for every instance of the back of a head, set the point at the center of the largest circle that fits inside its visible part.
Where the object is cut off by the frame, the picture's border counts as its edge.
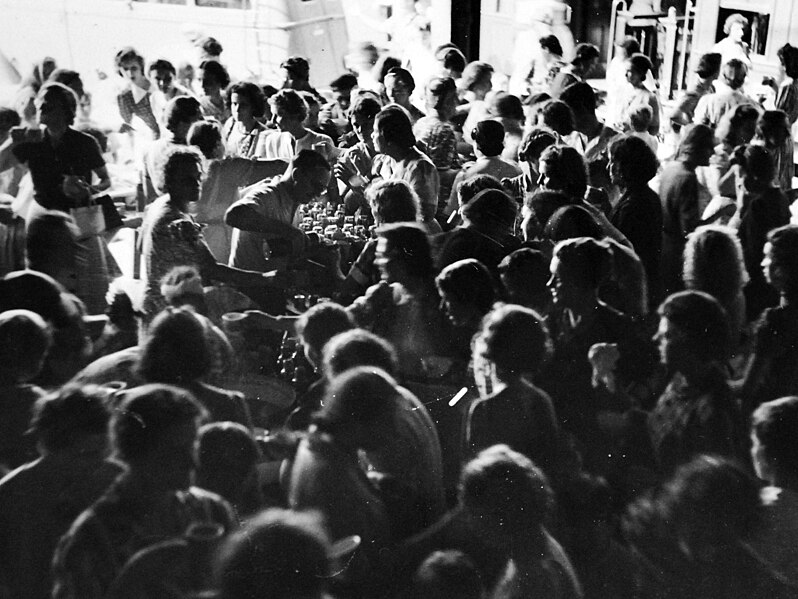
(205, 135)
(34, 291)
(473, 185)
(148, 416)
(788, 55)
(452, 59)
(640, 63)
(773, 425)
(489, 137)
(534, 142)
(322, 322)
(506, 483)
(773, 125)
(475, 73)
(393, 201)
(515, 339)
(363, 395)
(384, 65)
(447, 574)
(630, 45)
(440, 88)
(227, 454)
(280, 554)
(344, 82)
(526, 271)
(640, 118)
(309, 160)
(709, 65)
(297, 66)
(217, 71)
(181, 110)
(365, 106)
(713, 262)
(734, 73)
(552, 44)
(703, 320)
(696, 138)
(411, 244)
(470, 282)
(584, 53)
(580, 97)
(357, 347)
(176, 350)
(182, 285)
(210, 46)
(758, 164)
(587, 260)
(506, 106)
(558, 117)
(73, 413)
(571, 222)
(490, 208)
(25, 339)
(394, 124)
(50, 234)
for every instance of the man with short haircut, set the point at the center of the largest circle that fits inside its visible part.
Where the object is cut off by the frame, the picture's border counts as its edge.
(586, 57)
(154, 433)
(41, 499)
(711, 107)
(265, 215)
(334, 116)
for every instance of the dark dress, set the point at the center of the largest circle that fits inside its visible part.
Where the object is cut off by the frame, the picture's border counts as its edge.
(521, 416)
(76, 154)
(692, 418)
(638, 215)
(762, 211)
(678, 191)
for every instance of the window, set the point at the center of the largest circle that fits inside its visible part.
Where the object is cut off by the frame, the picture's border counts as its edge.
(756, 33)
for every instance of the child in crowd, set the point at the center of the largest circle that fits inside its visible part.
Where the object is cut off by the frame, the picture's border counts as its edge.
(639, 121)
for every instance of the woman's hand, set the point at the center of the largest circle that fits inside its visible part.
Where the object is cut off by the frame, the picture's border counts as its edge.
(75, 188)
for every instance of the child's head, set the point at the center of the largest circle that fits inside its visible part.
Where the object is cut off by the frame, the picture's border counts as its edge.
(448, 574)
(130, 65)
(442, 96)
(25, 339)
(640, 118)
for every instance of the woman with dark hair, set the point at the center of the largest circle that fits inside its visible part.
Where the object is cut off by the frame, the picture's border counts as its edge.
(512, 347)
(771, 371)
(508, 110)
(535, 141)
(562, 168)
(696, 413)
(691, 535)
(403, 306)
(247, 103)
(399, 85)
(683, 200)
(393, 138)
(489, 139)
(773, 132)
(761, 207)
(557, 116)
(787, 92)
(637, 67)
(638, 213)
(214, 79)
(486, 234)
(177, 352)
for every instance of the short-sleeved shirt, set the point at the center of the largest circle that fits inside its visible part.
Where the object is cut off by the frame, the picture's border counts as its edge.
(711, 108)
(76, 154)
(167, 242)
(272, 200)
(420, 172)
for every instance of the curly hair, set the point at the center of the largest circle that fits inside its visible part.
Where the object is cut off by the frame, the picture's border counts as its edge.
(252, 92)
(393, 201)
(566, 170)
(470, 282)
(515, 339)
(636, 161)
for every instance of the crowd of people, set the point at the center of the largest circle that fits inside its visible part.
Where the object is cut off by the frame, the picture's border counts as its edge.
(556, 366)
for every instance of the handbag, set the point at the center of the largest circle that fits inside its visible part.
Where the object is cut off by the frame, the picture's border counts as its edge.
(89, 219)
